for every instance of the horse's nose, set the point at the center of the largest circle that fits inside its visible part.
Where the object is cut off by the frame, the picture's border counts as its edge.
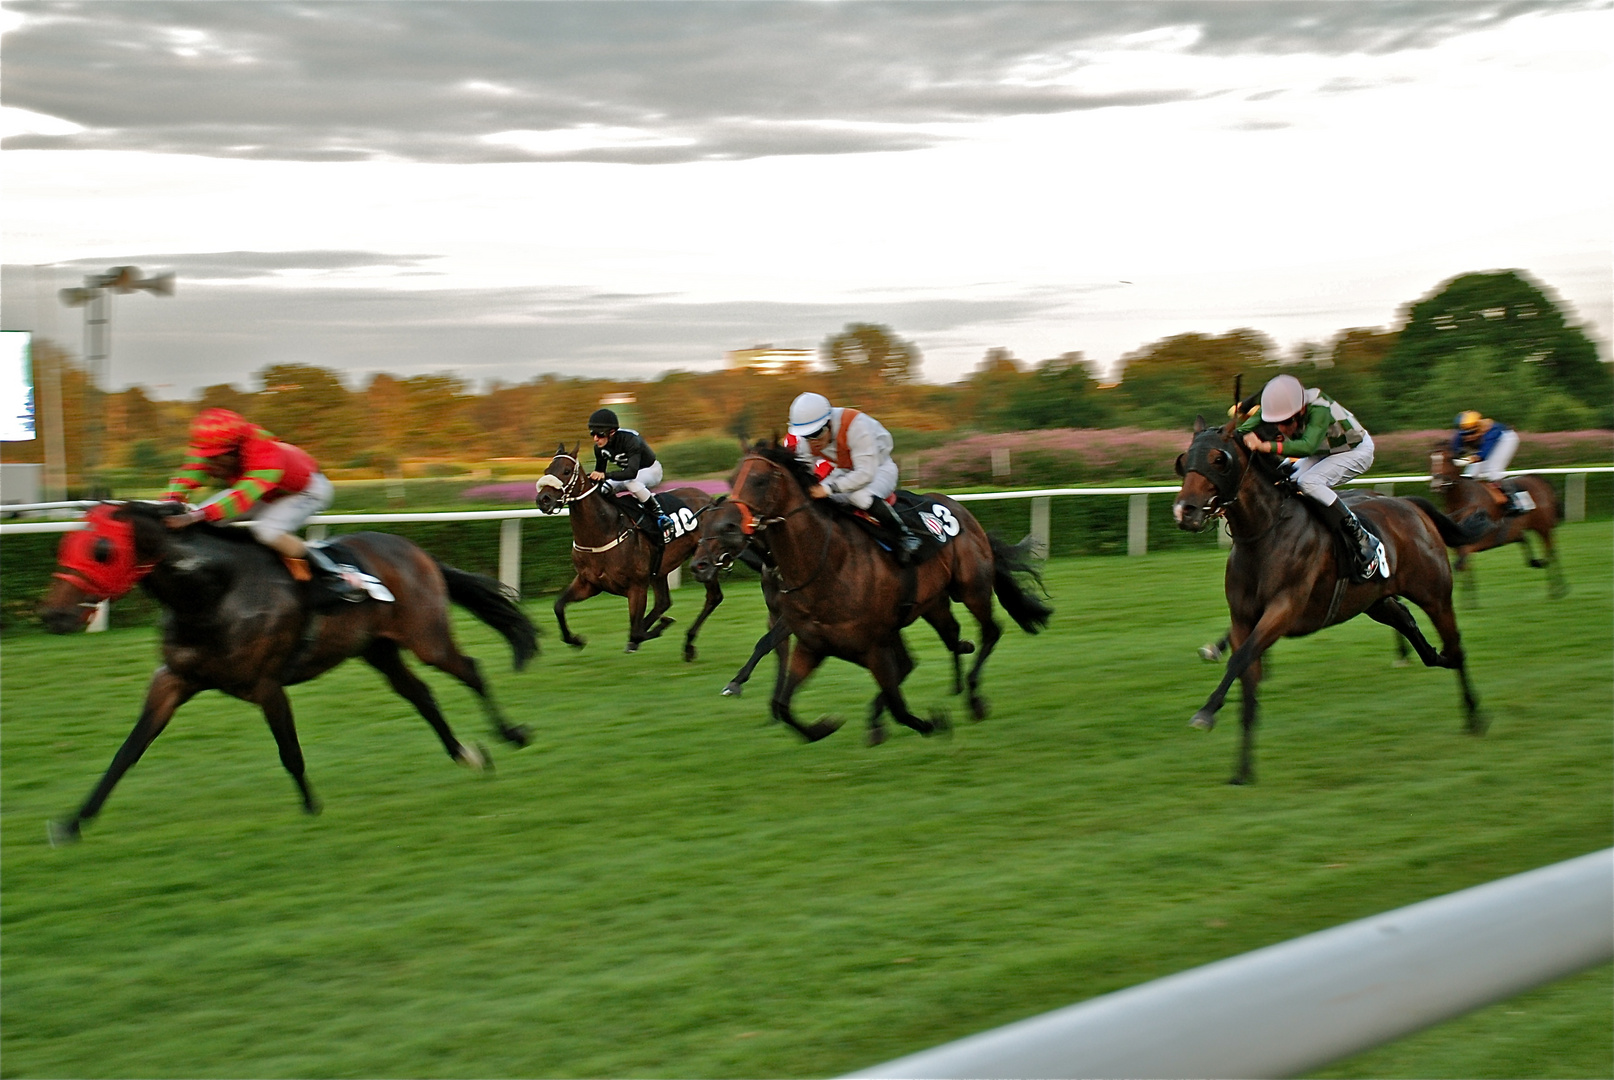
(60, 620)
(1190, 518)
(701, 568)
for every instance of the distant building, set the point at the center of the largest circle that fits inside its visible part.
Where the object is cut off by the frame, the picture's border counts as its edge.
(767, 360)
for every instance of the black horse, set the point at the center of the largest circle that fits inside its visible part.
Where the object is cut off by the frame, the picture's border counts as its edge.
(1285, 578)
(237, 622)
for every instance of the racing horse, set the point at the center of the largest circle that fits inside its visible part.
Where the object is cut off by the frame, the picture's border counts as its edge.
(722, 542)
(613, 553)
(1285, 579)
(1466, 497)
(842, 595)
(238, 622)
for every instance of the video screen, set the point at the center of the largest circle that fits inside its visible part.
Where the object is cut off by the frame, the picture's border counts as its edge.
(16, 386)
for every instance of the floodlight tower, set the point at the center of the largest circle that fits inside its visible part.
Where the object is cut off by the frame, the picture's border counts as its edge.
(95, 297)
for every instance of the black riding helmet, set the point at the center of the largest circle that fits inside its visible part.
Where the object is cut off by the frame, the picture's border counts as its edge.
(602, 422)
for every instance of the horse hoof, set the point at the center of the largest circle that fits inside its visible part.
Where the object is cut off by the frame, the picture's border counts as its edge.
(61, 833)
(474, 758)
(1210, 653)
(1401, 661)
(1239, 781)
(877, 735)
(1204, 720)
(1479, 724)
(689, 654)
(733, 689)
(824, 728)
(940, 724)
(980, 708)
(517, 736)
(964, 648)
(633, 647)
(576, 642)
(312, 807)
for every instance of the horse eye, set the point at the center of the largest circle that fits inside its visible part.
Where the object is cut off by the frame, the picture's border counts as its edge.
(1218, 458)
(102, 552)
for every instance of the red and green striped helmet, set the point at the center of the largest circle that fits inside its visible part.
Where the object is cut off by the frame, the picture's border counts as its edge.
(218, 431)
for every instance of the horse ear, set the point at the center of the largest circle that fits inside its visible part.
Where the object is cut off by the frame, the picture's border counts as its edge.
(1180, 470)
(575, 448)
(1199, 423)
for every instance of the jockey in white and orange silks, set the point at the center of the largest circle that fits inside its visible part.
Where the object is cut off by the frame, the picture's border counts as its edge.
(851, 454)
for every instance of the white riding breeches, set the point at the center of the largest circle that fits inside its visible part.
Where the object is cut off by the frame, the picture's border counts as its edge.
(270, 520)
(883, 484)
(1320, 474)
(1495, 464)
(645, 479)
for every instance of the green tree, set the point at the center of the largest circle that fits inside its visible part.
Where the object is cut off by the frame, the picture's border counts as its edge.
(866, 355)
(1525, 338)
(1166, 384)
(1060, 393)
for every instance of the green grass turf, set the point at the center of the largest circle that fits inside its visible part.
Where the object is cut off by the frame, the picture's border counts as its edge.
(664, 885)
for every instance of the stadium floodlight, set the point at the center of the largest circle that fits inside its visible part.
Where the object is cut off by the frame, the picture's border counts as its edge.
(95, 298)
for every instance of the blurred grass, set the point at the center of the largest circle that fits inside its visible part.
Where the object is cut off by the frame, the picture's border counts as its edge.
(664, 885)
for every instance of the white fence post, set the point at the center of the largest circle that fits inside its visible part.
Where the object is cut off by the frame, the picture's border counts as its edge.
(1384, 489)
(317, 532)
(1137, 525)
(102, 619)
(510, 553)
(1224, 534)
(1575, 497)
(1040, 534)
(1000, 462)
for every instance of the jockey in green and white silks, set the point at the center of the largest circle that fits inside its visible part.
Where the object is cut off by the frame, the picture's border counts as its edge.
(1331, 446)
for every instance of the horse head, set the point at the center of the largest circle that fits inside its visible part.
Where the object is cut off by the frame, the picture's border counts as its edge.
(1443, 472)
(721, 538)
(563, 481)
(120, 544)
(770, 483)
(1212, 469)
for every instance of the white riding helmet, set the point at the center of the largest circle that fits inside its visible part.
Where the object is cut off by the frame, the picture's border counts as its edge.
(808, 413)
(1282, 398)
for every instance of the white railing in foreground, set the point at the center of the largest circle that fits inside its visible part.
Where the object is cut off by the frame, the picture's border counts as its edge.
(1295, 1007)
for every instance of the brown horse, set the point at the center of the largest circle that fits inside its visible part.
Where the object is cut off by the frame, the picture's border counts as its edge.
(1466, 497)
(613, 553)
(723, 542)
(237, 622)
(842, 595)
(1284, 577)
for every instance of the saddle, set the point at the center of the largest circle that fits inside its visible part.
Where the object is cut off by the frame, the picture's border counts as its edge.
(318, 591)
(934, 524)
(681, 513)
(1511, 496)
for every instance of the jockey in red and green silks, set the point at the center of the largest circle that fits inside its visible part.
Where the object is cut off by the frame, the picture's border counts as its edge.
(274, 486)
(264, 470)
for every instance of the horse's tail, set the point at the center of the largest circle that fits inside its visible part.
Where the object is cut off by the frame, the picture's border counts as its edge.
(1471, 530)
(489, 601)
(1008, 561)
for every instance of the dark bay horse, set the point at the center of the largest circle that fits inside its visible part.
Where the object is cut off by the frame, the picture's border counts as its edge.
(236, 621)
(1283, 575)
(841, 595)
(722, 541)
(1466, 497)
(612, 554)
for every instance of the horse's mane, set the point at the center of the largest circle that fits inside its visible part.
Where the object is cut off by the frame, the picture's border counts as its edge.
(787, 460)
(156, 511)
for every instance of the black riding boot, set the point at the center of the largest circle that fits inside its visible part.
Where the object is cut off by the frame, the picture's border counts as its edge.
(339, 580)
(1337, 516)
(907, 543)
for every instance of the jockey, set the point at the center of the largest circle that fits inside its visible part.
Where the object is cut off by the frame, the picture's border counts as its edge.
(632, 464)
(273, 485)
(1332, 447)
(1484, 445)
(851, 453)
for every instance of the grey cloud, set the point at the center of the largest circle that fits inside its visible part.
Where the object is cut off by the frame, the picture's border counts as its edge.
(234, 265)
(428, 81)
(229, 330)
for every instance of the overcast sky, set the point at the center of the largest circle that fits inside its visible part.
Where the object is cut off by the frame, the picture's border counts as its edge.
(623, 188)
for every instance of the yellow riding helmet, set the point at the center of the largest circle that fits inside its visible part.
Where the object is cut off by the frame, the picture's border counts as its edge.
(1469, 419)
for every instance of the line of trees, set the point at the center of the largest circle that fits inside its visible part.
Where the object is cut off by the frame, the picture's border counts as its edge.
(1495, 341)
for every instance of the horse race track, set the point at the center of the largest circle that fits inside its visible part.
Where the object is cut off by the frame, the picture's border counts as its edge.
(663, 885)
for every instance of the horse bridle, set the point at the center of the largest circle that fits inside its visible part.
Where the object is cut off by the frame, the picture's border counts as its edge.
(567, 498)
(751, 523)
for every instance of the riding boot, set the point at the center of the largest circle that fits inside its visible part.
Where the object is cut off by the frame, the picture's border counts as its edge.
(1362, 547)
(663, 522)
(907, 543)
(341, 580)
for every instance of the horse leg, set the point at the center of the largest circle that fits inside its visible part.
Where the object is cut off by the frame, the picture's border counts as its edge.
(637, 593)
(877, 707)
(271, 698)
(1249, 713)
(1392, 611)
(166, 693)
(890, 665)
(979, 602)
(1557, 587)
(1274, 621)
(577, 590)
(442, 655)
(714, 597)
(768, 642)
(663, 602)
(947, 628)
(803, 662)
(1466, 573)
